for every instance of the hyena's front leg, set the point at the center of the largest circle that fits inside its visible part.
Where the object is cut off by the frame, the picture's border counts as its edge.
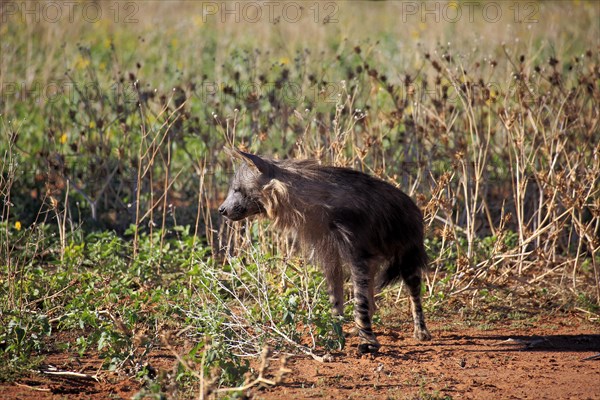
(364, 307)
(335, 283)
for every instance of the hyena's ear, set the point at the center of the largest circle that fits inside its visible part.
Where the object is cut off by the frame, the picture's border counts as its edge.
(263, 166)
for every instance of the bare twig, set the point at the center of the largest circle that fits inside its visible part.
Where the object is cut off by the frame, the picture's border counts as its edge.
(53, 371)
(32, 387)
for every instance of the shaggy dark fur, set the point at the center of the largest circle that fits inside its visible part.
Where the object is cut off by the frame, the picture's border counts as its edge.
(347, 220)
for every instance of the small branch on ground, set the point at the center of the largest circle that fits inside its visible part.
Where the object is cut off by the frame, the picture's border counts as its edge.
(32, 387)
(53, 371)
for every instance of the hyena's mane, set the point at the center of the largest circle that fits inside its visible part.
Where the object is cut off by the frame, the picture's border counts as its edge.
(287, 197)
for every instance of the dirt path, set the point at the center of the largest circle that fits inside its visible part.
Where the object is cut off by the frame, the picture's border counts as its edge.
(545, 362)
(544, 359)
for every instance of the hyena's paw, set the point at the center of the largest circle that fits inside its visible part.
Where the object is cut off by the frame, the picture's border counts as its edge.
(368, 348)
(422, 334)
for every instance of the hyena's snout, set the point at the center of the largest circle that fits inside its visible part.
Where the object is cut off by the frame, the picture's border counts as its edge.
(237, 210)
(223, 210)
(232, 211)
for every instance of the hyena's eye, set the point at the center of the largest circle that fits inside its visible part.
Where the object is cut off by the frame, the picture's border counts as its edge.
(237, 190)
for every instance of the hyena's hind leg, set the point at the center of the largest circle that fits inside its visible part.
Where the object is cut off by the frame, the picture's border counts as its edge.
(364, 306)
(411, 274)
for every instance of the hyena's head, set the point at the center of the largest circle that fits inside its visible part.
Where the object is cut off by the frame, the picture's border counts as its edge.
(245, 197)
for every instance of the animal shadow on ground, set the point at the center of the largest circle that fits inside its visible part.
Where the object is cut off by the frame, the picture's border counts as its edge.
(494, 343)
(556, 343)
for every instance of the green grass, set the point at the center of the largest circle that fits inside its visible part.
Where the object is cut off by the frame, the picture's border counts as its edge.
(112, 168)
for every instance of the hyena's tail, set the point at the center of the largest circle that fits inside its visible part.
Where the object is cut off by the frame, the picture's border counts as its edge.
(412, 261)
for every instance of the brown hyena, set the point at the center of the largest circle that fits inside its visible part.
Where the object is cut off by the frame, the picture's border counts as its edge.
(348, 220)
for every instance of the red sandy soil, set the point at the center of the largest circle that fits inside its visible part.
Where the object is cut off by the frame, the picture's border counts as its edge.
(540, 358)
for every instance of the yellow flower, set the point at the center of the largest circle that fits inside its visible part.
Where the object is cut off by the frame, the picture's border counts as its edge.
(492, 98)
(284, 60)
(18, 225)
(63, 138)
(82, 63)
(92, 124)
